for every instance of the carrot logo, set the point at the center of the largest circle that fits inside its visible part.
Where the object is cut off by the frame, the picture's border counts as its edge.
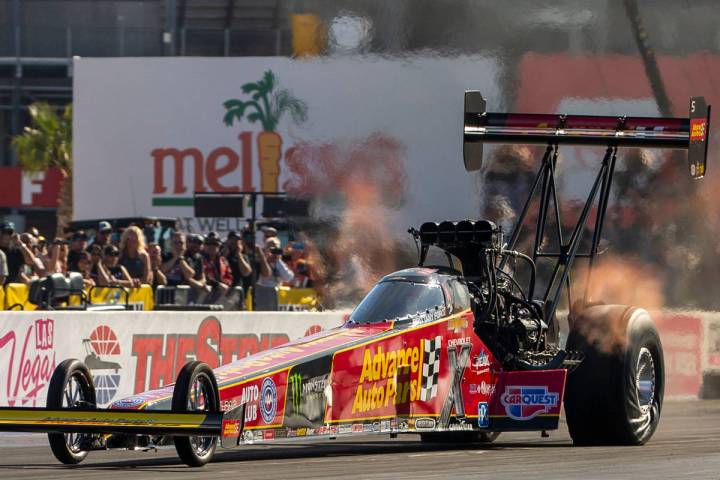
(267, 105)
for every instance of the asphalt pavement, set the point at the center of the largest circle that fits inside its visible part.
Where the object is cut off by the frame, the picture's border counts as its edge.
(686, 445)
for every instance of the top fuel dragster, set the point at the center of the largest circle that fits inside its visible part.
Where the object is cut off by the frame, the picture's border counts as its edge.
(458, 350)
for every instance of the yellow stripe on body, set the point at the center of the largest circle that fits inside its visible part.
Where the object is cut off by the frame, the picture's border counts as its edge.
(100, 418)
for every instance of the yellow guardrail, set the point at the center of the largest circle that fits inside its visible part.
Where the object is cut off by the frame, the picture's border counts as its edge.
(292, 299)
(14, 295)
(298, 299)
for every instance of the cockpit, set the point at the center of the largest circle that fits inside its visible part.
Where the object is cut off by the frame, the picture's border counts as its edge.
(399, 300)
(412, 294)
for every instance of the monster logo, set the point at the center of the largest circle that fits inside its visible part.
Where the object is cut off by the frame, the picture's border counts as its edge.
(306, 399)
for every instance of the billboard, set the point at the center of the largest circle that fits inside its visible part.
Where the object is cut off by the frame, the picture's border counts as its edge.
(149, 132)
(131, 354)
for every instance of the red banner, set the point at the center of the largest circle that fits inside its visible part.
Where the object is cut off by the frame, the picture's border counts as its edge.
(681, 336)
(21, 190)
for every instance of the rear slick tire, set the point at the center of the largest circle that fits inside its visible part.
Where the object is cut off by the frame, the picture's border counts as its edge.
(70, 386)
(196, 390)
(615, 395)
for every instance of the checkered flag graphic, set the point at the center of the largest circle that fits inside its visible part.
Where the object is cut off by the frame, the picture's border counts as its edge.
(431, 368)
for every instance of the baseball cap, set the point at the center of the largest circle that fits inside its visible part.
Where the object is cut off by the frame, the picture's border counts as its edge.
(7, 227)
(212, 241)
(213, 238)
(232, 234)
(104, 226)
(79, 235)
(195, 238)
(269, 231)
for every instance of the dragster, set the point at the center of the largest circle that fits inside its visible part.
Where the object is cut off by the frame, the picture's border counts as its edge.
(455, 349)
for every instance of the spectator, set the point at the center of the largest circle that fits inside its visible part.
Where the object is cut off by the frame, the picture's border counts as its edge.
(16, 253)
(195, 243)
(237, 260)
(217, 271)
(134, 257)
(78, 244)
(96, 253)
(110, 273)
(3, 268)
(180, 268)
(256, 258)
(85, 268)
(302, 276)
(42, 252)
(36, 269)
(155, 253)
(58, 257)
(34, 232)
(279, 272)
(150, 229)
(103, 237)
(269, 232)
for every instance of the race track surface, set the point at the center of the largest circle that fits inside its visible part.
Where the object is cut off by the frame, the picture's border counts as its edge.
(686, 445)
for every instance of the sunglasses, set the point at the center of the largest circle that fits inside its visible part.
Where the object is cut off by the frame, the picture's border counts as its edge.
(113, 254)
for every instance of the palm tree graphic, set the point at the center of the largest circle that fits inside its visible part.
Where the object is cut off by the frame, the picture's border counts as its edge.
(267, 106)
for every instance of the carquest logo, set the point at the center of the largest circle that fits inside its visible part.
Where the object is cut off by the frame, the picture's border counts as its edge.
(268, 400)
(525, 403)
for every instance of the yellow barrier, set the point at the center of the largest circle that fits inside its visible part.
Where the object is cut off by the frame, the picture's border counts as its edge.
(141, 298)
(292, 299)
(17, 293)
(298, 298)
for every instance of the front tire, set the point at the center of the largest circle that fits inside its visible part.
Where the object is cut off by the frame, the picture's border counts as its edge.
(70, 386)
(615, 396)
(195, 390)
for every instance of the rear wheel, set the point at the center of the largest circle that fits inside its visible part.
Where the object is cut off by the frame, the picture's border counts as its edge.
(615, 396)
(70, 386)
(196, 390)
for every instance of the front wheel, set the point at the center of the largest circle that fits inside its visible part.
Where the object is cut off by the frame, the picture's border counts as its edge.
(615, 396)
(196, 390)
(70, 386)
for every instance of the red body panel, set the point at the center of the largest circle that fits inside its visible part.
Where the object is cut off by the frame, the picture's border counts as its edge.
(431, 375)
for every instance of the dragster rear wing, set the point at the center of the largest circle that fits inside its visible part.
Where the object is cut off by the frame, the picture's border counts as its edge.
(689, 134)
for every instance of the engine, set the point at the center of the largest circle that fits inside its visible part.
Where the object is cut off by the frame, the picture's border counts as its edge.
(507, 318)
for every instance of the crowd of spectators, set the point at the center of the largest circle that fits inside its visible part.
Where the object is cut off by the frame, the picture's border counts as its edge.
(210, 265)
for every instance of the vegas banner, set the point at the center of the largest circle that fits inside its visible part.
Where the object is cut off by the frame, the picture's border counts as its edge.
(381, 132)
